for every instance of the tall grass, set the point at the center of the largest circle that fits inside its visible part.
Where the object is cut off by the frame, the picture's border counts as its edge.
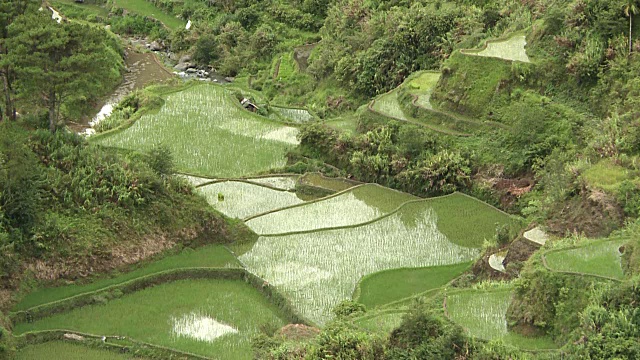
(319, 269)
(208, 256)
(239, 199)
(209, 134)
(149, 315)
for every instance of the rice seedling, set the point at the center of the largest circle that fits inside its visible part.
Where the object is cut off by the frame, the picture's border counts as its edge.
(467, 221)
(335, 184)
(481, 313)
(422, 87)
(511, 49)
(298, 116)
(287, 183)
(387, 104)
(175, 315)
(58, 350)
(209, 134)
(599, 258)
(240, 200)
(362, 204)
(207, 256)
(319, 269)
(393, 285)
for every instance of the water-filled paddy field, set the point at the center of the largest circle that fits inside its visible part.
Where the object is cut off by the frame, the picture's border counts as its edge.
(242, 199)
(215, 318)
(209, 134)
(58, 350)
(602, 258)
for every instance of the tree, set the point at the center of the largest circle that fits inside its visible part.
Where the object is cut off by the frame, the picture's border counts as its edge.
(630, 9)
(58, 62)
(9, 11)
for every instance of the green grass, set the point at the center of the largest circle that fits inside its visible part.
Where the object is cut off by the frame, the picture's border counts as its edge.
(387, 104)
(58, 350)
(393, 285)
(382, 323)
(242, 200)
(208, 256)
(209, 134)
(150, 316)
(467, 221)
(422, 86)
(469, 85)
(600, 258)
(362, 204)
(146, 8)
(71, 9)
(606, 175)
(286, 66)
(347, 124)
(317, 270)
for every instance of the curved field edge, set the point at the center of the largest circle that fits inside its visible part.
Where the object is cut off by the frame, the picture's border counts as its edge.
(271, 139)
(58, 348)
(403, 283)
(505, 37)
(210, 256)
(618, 242)
(448, 225)
(119, 290)
(371, 108)
(178, 315)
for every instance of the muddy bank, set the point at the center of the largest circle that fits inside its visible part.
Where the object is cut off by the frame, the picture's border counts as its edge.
(142, 69)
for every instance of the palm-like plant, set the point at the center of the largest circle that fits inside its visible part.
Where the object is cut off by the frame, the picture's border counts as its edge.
(630, 9)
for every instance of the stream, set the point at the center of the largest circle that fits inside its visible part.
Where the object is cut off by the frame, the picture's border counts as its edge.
(141, 70)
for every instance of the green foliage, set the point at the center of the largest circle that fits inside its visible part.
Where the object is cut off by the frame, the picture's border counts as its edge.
(161, 160)
(342, 342)
(425, 335)
(347, 308)
(61, 64)
(609, 328)
(550, 302)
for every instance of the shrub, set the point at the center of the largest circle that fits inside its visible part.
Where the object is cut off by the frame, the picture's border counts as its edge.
(347, 308)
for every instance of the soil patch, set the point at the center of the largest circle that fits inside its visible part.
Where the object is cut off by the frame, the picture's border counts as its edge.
(298, 332)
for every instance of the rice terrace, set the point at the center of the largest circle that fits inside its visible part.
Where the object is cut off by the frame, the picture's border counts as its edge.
(319, 179)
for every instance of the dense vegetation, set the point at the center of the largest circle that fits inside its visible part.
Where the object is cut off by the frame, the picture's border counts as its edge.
(554, 139)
